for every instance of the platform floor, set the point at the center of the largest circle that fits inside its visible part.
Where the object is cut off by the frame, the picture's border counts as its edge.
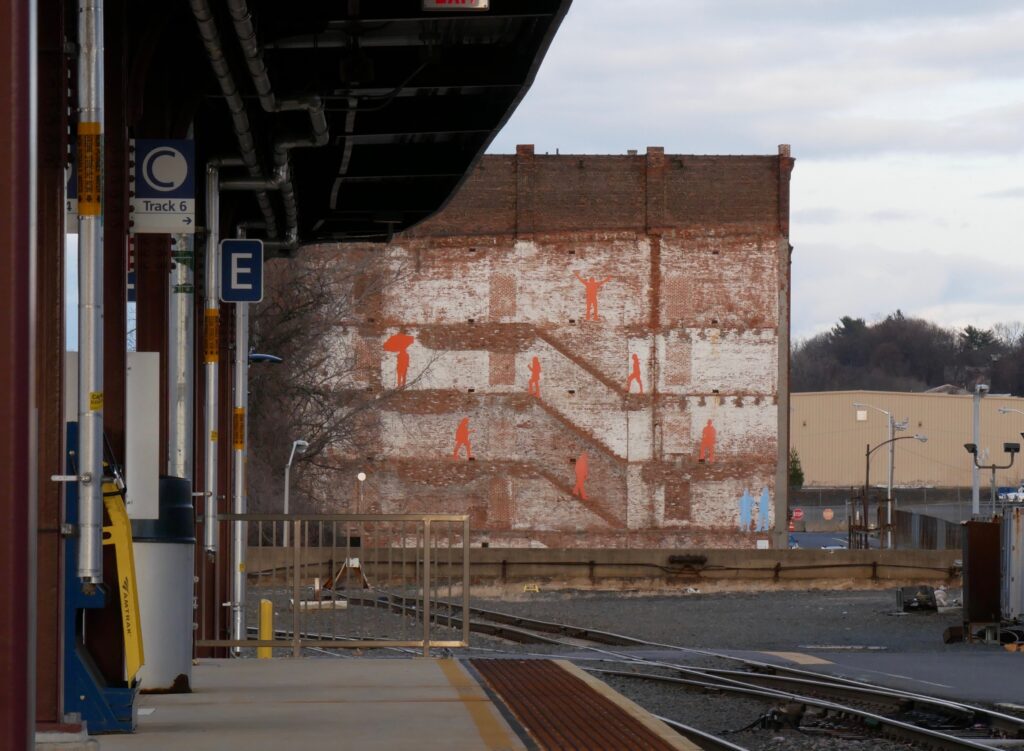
(312, 704)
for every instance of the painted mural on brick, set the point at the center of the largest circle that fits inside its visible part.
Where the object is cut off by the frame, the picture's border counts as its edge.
(657, 413)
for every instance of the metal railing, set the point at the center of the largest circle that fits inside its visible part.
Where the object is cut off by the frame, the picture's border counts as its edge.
(348, 581)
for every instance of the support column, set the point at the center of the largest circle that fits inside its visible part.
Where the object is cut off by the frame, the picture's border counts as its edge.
(780, 533)
(180, 360)
(152, 268)
(211, 330)
(17, 248)
(91, 97)
(50, 344)
(238, 445)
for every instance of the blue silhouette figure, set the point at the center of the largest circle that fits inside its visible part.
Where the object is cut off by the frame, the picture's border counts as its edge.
(762, 512)
(746, 510)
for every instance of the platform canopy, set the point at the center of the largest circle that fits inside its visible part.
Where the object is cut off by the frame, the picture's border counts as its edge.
(413, 92)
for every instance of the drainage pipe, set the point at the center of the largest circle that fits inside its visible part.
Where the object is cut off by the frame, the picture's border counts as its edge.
(239, 440)
(319, 135)
(239, 118)
(180, 358)
(211, 351)
(90, 291)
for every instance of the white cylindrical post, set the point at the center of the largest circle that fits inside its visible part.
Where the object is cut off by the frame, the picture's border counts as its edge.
(90, 291)
(238, 437)
(287, 472)
(979, 392)
(211, 323)
(180, 358)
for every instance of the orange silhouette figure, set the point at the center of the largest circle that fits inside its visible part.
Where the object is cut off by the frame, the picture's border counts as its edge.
(593, 287)
(634, 375)
(534, 384)
(581, 477)
(400, 343)
(462, 439)
(707, 443)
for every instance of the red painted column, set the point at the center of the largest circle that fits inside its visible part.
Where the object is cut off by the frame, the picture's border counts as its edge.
(17, 501)
(50, 345)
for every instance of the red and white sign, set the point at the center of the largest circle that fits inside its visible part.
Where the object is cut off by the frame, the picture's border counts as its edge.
(798, 514)
(456, 4)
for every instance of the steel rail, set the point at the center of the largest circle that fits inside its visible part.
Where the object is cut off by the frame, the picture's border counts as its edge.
(933, 739)
(1000, 720)
(706, 741)
(930, 738)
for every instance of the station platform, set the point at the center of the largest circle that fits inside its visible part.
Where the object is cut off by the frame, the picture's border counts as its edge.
(391, 704)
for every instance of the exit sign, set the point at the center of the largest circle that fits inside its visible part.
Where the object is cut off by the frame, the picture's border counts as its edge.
(456, 4)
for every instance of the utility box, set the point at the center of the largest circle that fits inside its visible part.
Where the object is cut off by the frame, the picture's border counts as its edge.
(1013, 564)
(164, 556)
(982, 564)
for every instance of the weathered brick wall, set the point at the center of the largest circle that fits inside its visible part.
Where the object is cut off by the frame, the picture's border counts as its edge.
(697, 253)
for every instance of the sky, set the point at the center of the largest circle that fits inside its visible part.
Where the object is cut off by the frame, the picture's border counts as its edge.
(906, 118)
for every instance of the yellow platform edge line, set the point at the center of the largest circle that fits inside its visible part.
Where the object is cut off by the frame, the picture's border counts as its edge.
(799, 658)
(648, 720)
(492, 728)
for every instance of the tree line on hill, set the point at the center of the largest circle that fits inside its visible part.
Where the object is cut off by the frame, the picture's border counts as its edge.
(901, 353)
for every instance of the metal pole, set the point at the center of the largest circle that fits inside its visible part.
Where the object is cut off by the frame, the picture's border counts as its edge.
(212, 353)
(287, 471)
(976, 426)
(180, 357)
(888, 492)
(993, 491)
(867, 485)
(90, 291)
(892, 455)
(238, 533)
(426, 589)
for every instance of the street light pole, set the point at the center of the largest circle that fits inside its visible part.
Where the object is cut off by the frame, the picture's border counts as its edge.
(1010, 448)
(298, 446)
(868, 451)
(893, 427)
(979, 391)
(892, 463)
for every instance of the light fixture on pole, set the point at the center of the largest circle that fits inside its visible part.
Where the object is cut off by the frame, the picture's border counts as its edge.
(868, 451)
(979, 392)
(360, 479)
(298, 447)
(893, 427)
(1010, 448)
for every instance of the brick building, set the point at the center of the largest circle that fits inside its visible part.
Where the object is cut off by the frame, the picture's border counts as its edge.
(607, 335)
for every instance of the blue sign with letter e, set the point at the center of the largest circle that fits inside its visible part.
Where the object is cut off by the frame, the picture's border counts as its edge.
(241, 270)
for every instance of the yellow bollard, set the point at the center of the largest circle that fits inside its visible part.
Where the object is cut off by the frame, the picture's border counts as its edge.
(266, 629)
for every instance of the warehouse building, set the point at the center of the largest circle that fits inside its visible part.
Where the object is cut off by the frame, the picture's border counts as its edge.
(590, 351)
(831, 435)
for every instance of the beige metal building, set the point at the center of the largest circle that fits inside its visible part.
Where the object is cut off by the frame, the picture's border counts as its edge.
(831, 436)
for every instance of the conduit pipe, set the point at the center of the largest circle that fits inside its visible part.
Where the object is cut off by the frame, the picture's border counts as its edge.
(239, 117)
(90, 291)
(180, 356)
(320, 134)
(211, 352)
(239, 440)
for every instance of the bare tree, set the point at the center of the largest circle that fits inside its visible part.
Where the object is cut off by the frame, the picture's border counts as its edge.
(317, 308)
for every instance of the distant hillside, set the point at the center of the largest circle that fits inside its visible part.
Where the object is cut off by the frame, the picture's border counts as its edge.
(899, 353)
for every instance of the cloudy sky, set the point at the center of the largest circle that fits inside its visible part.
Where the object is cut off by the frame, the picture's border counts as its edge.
(906, 119)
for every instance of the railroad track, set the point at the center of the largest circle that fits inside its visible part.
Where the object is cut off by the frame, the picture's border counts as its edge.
(920, 719)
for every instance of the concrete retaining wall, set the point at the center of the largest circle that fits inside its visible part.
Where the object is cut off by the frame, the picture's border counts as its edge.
(647, 566)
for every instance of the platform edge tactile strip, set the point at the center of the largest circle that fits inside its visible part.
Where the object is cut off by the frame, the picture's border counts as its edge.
(564, 712)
